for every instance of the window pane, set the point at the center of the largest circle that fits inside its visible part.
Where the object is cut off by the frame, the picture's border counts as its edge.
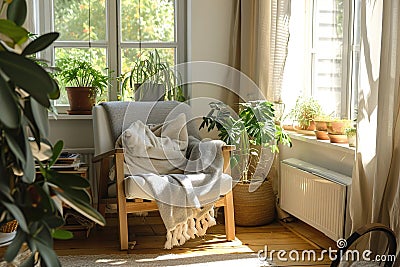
(328, 44)
(95, 55)
(155, 23)
(71, 19)
(130, 55)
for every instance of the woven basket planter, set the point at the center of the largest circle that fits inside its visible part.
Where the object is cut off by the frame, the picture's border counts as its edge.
(9, 227)
(254, 208)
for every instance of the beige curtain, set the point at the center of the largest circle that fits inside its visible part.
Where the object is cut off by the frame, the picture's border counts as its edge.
(375, 193)
(259, 46)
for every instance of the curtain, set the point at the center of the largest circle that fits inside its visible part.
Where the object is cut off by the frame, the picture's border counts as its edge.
(375, 195)
(259, 50)
(259, 45)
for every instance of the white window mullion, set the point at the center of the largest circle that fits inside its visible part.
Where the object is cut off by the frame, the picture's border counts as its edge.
(309, 46)
(113, 37)
(44, 25)
(346, 59)
(181, 30)
(80, 44)
(148, 45)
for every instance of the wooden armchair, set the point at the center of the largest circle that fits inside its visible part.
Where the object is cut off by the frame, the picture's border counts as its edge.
(105, 154)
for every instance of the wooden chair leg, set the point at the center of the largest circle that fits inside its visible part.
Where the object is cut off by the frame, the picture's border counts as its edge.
(229, 217)
(123, 230)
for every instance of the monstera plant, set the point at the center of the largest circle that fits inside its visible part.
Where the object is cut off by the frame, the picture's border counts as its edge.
(30, 195)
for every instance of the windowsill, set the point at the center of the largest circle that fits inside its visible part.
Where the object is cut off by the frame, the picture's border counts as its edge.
(70, 117)
(323, 143)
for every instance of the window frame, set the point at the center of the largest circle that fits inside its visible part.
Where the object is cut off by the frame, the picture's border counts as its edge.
(349, 51)
(113, 43)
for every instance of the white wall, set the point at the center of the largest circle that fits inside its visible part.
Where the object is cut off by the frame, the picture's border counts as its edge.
(209, 28)
(209, 39)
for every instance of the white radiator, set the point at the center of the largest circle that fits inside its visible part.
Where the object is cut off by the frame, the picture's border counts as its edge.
(315, 195)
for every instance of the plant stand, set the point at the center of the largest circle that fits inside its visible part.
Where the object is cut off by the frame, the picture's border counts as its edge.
(254, 208)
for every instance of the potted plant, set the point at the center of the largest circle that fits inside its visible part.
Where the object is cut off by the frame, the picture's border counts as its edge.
(151, 79)
(351, 134)
(304, 113)
(321, 126)
(30, 199)
(83, 83)
(337, 130)
(253, 132)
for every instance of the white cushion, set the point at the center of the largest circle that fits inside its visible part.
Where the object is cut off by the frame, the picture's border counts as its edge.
(138, 188)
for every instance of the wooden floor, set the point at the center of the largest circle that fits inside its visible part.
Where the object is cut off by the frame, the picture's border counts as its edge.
(149, 233)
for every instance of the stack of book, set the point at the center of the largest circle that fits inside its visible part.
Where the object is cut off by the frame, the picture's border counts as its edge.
(67, 161)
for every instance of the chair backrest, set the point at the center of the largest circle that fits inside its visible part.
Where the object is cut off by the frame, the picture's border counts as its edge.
(110, 119)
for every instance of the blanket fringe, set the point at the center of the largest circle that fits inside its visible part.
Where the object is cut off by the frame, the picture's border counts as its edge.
(189, 229)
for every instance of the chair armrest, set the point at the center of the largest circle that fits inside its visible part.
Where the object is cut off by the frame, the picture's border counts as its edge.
(107, 154)
(228, 147)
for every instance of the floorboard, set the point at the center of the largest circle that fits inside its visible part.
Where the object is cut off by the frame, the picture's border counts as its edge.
(149, 233)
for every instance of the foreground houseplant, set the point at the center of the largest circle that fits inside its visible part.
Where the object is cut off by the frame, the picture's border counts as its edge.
(151, 79)
(30, 199)
(83, 83)
(255, 134)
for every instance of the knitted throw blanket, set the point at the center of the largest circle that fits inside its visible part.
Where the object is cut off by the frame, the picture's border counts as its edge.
(185, 195)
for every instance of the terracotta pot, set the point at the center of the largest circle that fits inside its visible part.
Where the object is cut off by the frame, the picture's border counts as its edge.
(81, 100)
(321, 135)
(321, 125)
(311, 127)
(288, 127)
(338, 127)
(338, 138)
(254, 208)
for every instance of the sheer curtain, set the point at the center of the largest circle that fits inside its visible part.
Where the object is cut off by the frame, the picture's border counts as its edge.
(259, 45)
(375, 193)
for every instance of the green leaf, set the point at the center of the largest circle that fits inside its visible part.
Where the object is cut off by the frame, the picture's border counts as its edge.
(10, 113)
(46, 253)
(41, 117)
(41, 43)
(13, 249)
(14, 145)
(54, 221)
(56, 93)
(29, 166)
(16, 11)
(82, 207)
(28, 75)
(30, 120)
(16, 33)
(44, 235)
(29, 262)
(4, 184)
(68, 180)
(17, 214)
(56, 152)
(62, 234)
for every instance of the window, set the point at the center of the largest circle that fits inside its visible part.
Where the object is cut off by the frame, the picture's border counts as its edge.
(323, 55)
(111, 34)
